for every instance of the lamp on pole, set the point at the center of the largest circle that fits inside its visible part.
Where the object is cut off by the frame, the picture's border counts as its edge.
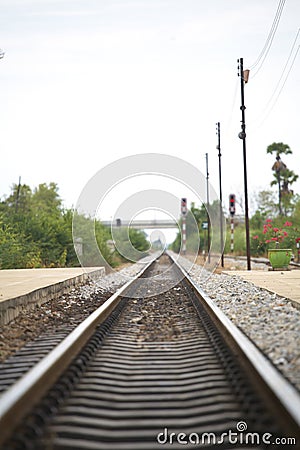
(244, 74)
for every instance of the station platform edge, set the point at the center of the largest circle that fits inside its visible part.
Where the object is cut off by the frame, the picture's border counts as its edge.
(23, 289)
(285, 283)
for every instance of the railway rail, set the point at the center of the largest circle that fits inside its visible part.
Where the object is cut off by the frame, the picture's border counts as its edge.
(157, 366)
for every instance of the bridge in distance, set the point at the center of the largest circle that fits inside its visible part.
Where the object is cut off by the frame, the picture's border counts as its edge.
(141, 224)
(154, 223)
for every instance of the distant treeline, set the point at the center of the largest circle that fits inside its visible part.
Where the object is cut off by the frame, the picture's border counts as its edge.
(36, 231)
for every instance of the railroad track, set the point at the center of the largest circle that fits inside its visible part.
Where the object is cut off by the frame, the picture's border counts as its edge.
(157, 366)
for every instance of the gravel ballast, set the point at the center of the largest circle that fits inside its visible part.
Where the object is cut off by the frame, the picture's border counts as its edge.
(64, 312)
(270, 321)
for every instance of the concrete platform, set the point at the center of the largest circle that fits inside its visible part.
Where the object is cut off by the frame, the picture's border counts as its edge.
(23, 289)
(284, 283)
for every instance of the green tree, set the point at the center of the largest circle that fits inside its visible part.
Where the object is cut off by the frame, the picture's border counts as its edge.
(16, 251)
(296, 213)
(94, 236)
(103, 235)
(195, 234)
(279, 148)
(284, 177)
(200, 214)
(266, 208)
(67, 238)
(41, 229)
(46, 227)
(36, 231)
(131, 244)
(19, 201)
(46, 197)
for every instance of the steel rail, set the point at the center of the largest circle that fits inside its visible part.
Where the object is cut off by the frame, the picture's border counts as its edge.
(283, 395)
(18, 400)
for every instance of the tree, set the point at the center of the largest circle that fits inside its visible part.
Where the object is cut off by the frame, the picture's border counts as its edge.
(279, 148)
(195, 234)
(46, 197)
(19, 201)
(284, 177)
(16, 251)
(131, 244)
(266, 208)
(36, 230)
(194, 218)
(94, 236)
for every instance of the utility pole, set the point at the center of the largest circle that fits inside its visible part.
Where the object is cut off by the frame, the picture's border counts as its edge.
(220, 186)
(18, 195)
(207, 209)
(242, 135)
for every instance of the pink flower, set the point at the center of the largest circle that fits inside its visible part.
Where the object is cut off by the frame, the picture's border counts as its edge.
(274, 234)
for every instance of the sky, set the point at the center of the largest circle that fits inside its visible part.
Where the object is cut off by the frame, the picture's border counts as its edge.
(84, 83)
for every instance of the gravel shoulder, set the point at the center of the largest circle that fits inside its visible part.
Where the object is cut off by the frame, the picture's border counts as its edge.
(270, 321)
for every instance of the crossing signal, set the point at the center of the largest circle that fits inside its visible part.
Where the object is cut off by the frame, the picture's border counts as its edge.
(184, 206)
(232, 204)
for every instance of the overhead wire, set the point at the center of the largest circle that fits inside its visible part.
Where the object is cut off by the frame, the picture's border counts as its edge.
(285, 80)
(283, 70)
(263, 54)
(271, 34)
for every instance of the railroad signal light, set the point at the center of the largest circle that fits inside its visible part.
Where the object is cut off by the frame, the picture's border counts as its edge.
(232, 204)
(184, 206)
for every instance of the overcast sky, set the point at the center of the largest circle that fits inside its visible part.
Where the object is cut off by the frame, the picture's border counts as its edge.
(86, 82)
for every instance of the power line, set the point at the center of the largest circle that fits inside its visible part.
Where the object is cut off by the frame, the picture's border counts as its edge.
(263, 54)
(284, 69)
(271, 33)
(285, 80)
